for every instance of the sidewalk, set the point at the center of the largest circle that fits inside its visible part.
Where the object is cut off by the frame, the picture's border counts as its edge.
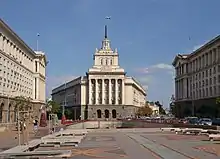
(9, 138)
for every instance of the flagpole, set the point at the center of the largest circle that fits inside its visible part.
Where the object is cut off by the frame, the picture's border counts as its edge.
(37, 40)
(37, 44)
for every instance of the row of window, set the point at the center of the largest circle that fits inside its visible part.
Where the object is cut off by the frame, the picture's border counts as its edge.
(14, 77)
(106, 81)
(206, 73)
(22, 90)
(208, 58)
(106, 61)
(14, 51)
(205, 92)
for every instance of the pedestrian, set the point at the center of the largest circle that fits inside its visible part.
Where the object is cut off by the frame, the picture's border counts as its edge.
(35, 124)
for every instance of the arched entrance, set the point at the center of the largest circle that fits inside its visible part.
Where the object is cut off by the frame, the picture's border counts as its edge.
(114, 113)
(9, 112)
(1, 111)
(106, 113)
(99, 113)
(15, 114)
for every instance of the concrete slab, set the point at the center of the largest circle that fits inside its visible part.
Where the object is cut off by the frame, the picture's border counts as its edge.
(57, 153)
(213, 137)
(60, 140)
(142, 144)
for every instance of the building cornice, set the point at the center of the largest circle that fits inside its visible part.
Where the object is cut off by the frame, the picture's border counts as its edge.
(135, 85)
(194, 53)
(9, 30)
(105, 73)
(205, 46)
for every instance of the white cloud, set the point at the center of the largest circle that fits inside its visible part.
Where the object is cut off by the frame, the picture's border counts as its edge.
(163, 66)
(156, 68)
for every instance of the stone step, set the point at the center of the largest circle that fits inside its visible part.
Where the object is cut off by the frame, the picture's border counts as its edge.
(60, 140)
(57, 153)
(59, 145)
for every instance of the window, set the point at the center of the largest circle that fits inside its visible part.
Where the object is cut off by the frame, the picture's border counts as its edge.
(215, 90)
(36, 66)
(214, 80)
(210, 91)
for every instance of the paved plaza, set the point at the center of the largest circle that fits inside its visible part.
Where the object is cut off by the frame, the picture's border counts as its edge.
(9, 138)
(147, 143)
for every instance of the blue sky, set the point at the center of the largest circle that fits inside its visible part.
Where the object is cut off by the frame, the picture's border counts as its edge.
(147, 33)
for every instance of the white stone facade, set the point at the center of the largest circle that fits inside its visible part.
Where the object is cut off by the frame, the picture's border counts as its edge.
(106, 91)
(198, 74)
(22, 71)
(197, 81)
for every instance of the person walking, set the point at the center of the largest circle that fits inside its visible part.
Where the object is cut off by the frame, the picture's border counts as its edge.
(35, 125)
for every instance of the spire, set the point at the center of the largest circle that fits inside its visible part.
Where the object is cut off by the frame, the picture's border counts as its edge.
(106, 32)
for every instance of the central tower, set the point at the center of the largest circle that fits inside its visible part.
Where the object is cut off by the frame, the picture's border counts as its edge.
(106, 83)
(106, 59)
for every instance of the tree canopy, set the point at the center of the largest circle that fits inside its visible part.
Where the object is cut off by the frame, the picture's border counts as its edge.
(144, 111)
(22, 103)
(161, 109)
(53, 106)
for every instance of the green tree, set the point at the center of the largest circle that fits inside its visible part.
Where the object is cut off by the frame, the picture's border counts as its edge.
(144, 111)
(24, 110)
(68, 113)
(161, 109)
(52, 107)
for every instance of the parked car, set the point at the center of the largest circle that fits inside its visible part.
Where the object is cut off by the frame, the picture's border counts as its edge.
(192, 120)
(205, 121)
(216, 121)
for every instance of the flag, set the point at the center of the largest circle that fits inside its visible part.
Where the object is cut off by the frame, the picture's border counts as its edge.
(108, 18)
(38, 34)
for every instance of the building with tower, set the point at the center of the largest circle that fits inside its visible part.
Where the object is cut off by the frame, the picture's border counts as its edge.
(105, 92)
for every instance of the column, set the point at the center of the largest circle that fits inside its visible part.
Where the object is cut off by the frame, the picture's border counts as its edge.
(1, 42)
(177, 89)
(96, 91)
(36, 88)
(5, 43)
(90, 91)
(103, 91)
(110, 91)
(123, 92)
(116, 91)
